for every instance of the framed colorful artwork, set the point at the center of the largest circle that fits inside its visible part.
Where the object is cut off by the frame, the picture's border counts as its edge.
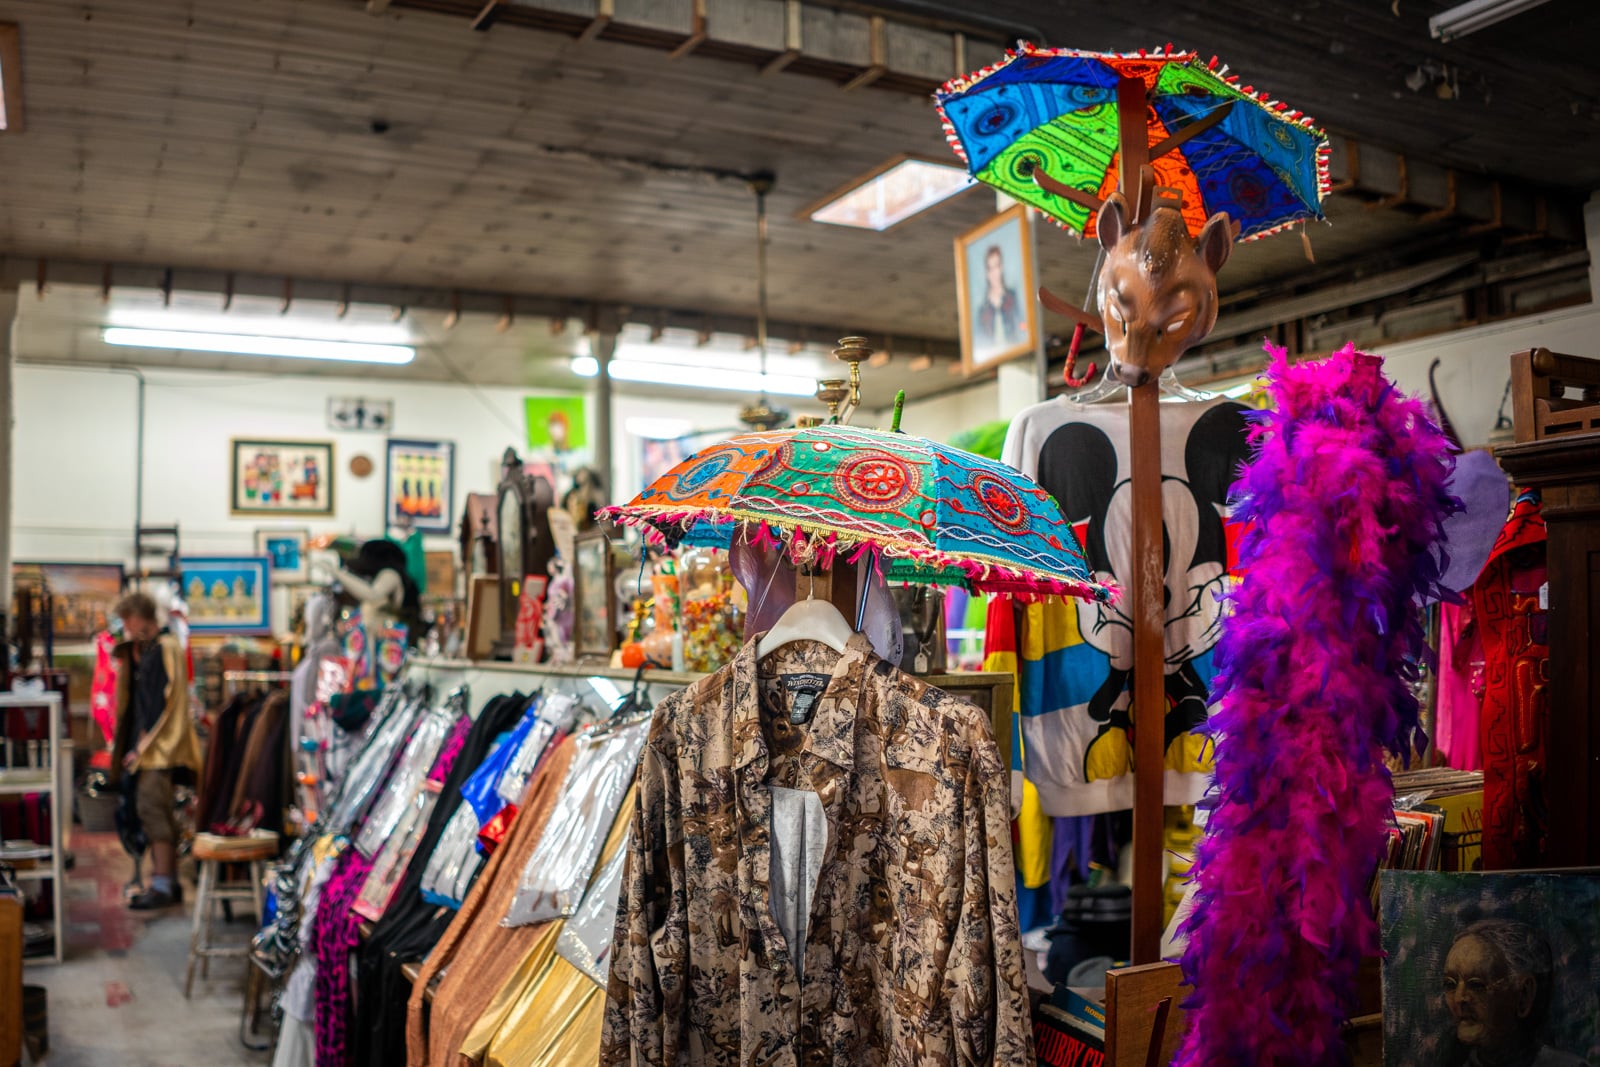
(82, 595)
(556, 423)
(228, 594)
(995, 284)
(282, 477)
(420, 485)
(289, 552)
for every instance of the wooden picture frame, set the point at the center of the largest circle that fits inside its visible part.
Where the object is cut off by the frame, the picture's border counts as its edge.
(992, 334)
(281, 477)
(82, 595)
(10, 78)
(441, 569)
(483, 616)
(594, 600)
(419, 484)
(290, 552)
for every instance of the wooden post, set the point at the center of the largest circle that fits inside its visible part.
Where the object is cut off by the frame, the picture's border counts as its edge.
(1147, 611)
(1146, 607)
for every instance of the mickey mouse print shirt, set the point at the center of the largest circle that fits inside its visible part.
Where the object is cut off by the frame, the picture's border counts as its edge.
(909, 950)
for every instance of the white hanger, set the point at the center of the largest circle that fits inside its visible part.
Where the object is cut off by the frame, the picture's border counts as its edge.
(807, 620)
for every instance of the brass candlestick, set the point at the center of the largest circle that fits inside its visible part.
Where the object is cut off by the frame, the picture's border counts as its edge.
(854, 351)
(832, 392)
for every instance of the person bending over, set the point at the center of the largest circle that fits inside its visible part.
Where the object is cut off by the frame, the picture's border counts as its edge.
(155, 737)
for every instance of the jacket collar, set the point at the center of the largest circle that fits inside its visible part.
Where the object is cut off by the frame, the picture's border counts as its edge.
(832, 732)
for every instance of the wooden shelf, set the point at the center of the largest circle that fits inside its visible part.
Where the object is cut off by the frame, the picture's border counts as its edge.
(56, 781)
(555, 670)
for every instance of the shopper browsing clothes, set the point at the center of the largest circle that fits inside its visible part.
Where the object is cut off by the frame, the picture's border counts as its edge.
(155, 739)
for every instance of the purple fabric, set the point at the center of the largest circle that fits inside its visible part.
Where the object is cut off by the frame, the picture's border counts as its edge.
(1069, 856)
(335, 937)
(336, 925)
(454, 741)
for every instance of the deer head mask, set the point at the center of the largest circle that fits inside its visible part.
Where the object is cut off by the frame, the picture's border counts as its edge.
(1158, 288)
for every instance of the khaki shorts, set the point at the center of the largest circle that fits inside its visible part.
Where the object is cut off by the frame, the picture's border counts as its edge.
(153, 801)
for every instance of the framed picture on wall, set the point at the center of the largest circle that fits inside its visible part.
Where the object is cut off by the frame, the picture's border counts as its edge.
(289, 552)
(420, 485)
(441, 574)
(995, 284)
(82, 595)
(282, 477)
(228, 594)
(594, 598)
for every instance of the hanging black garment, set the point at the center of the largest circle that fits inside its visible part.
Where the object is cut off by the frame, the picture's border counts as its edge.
(411, 926)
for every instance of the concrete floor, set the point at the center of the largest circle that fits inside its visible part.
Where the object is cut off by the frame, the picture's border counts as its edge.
(118, 998)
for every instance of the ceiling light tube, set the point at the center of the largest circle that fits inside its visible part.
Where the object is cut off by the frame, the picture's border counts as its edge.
(255, 345)
(1475, 15)
(735, 381)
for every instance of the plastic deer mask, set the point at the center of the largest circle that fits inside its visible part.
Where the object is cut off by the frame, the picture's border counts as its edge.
(1158, 289)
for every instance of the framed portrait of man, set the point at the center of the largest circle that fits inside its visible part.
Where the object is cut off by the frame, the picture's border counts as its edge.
(996, 279)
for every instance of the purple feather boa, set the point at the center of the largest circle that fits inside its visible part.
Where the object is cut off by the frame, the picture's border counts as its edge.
(1344, 496)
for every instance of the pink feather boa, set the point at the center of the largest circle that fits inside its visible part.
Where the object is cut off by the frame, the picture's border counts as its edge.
(1344, 496)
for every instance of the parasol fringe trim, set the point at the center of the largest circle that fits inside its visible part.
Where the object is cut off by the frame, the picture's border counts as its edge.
(820, 545)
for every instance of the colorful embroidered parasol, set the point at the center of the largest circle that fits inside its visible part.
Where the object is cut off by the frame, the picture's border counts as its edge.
(1056, 110)
(937, 514)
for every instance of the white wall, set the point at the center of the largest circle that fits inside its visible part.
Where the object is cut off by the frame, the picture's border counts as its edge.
(1472, 377)
(942, 417)
(76, 432)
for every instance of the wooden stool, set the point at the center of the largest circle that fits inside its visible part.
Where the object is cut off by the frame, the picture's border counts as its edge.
(211, 852)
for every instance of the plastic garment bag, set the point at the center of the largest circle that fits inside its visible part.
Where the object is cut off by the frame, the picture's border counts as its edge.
(415, 761)
(456, 857)
(586, 937)
(555, 876)
(397, 713)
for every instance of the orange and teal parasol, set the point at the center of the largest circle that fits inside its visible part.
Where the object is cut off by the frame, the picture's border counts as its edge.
(933, 513)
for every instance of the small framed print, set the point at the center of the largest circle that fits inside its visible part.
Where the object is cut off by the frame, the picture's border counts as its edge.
(441, 574)
(282, 477)
(996, 279)
(594, 599)
(420, 485)
(289, 552)
(483, 616)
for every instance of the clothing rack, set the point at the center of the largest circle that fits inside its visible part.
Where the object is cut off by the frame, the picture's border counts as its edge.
(232, 681)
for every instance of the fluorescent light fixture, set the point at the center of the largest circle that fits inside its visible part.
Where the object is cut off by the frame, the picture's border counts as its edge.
(707, 367)
(892, 193)
(252, 316)
(1473, 16)
(734, 381)
(259, 345)
(658, 429)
